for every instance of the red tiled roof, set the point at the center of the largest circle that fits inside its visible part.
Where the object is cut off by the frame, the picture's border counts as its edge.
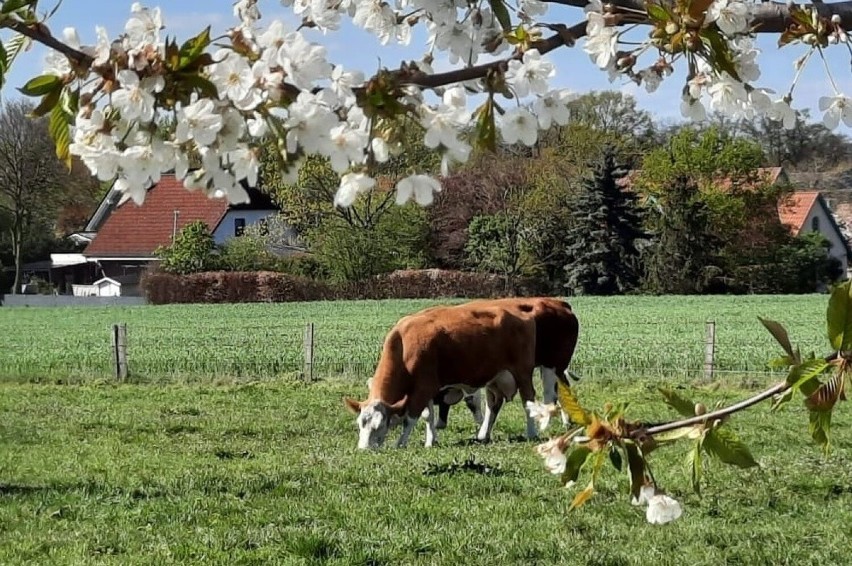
(794, 210)
(136, 231)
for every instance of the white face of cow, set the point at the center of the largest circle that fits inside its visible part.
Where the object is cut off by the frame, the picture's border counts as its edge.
(374, 422)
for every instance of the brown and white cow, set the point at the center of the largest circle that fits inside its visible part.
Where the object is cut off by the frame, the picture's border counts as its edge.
(557, 331)
(465, 347)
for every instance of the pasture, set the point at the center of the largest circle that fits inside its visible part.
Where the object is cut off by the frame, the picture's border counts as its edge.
(267, 473)
(215, 452)
(646, 336)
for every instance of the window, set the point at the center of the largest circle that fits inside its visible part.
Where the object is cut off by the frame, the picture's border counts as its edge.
(239, 226)
(815, 224)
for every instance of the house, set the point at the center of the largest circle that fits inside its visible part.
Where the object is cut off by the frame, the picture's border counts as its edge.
(120, 239)
(808, 211)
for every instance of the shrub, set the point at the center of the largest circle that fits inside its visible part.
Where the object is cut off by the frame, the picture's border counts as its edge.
(191, 252)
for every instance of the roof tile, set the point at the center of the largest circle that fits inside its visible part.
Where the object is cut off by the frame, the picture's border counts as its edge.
(133, 230)
(794, 210)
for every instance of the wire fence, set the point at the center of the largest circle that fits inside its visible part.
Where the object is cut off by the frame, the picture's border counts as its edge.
(682, 349)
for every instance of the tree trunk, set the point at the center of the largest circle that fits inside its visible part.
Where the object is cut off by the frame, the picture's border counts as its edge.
(17, 235)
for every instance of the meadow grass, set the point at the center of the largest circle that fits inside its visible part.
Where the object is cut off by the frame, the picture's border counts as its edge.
(267, 473)
(648, 336)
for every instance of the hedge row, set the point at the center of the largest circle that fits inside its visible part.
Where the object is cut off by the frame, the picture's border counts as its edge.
(271, 287)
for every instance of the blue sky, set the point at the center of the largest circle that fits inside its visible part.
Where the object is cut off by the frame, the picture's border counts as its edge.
(356, 49)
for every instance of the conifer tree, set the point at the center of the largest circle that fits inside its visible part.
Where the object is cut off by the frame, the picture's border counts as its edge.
(604, 243)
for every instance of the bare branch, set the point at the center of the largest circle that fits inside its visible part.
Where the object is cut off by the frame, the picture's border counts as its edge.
(40, 33)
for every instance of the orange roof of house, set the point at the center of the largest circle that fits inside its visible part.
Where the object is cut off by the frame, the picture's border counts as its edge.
(794, 210)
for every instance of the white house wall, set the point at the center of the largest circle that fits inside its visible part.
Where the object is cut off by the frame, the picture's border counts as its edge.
(838, 250)
(225, 230)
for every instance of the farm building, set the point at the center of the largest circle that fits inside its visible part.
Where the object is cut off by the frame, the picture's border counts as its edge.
(808, 211)
(120, 238)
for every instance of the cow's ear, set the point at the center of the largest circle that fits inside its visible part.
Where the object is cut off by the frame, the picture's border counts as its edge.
(353, 405)
(399, 406)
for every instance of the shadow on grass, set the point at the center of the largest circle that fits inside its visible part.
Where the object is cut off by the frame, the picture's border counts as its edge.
(469, 465)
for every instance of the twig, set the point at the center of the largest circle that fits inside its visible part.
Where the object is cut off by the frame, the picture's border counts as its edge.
(40, 34)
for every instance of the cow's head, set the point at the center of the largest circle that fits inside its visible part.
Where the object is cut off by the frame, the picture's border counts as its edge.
(375, 419)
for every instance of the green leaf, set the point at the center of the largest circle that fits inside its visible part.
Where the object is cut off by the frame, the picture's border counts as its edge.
(571, 406)
(486, 129)
(724, 444)
(719, 55)
(839, 317)
(10, 6)
(41, 85)
(801, 374)
(636, 468)
(196, 82)
(779, 333)
(680, 404)
(782, 399)
(693, 461)
(657, 12)
(574, 462)
(502, 14)
(693, 431)
(827, 395)
(47, 103)
(820, 428)
(583, 496)
(4, 65)
(60, 131)
(615, 458)
(193, 47)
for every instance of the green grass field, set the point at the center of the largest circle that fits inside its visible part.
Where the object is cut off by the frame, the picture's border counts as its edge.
(267, 473)
(640, 336)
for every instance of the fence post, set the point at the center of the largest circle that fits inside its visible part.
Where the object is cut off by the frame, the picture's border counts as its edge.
(119, 350)
(309, 352)
(709, 349)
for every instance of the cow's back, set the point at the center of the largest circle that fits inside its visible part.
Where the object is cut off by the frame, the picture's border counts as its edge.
(466, 344)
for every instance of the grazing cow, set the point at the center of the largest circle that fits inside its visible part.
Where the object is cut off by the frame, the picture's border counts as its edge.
(557, 330)
(464, 348)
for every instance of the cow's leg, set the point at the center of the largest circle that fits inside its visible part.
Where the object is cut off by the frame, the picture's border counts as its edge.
(407, 426)
(493, 402)
(443, 414)
(527, 392)
(549, 384)
(474, 403)
(431, 429)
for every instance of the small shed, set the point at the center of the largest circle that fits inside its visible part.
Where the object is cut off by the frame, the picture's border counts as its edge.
(105, 287)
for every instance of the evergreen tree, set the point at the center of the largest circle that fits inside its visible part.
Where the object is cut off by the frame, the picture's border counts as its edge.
(683, 258)
(607, 232)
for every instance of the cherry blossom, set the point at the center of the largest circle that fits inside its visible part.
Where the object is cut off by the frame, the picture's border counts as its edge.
(531, 75)
(352, 185)
(421, 187)
(836, 108)
(518, 124)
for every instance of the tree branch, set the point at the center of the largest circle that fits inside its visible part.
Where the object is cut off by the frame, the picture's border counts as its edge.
(40, 33)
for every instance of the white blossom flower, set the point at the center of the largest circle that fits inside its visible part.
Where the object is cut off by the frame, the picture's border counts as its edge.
(541, 413)
(135, 99)
(304, 63)
(531, 75)
(346, 146)
(728, 96)
(553, 452)
(651, 78)
(601, 46)
(553, 107)
(143, 27)
(244, 164)
(342, 83)
(692, 109)
(781, 111)
(352, 185)
(662, 509)
(422, 187)
(533, 7)
(518, 124)
(198, 121)
(836, 108)
(55, 63)
(731, 16)
(232, 75)
(247, 12)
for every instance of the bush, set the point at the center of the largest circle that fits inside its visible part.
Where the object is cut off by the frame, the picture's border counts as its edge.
(269, 287)
(302, 265)
(247, 253)
(191, 252)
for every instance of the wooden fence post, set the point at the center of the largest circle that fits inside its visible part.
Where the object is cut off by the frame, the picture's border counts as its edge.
(709, 349)
(309, 352)
(119, 350)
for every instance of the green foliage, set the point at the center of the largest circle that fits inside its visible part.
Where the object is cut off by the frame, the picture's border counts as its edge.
(191, 252)
(604, 241)
(683, 258)
(246, 253)
(352, 253)
(496, 244)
